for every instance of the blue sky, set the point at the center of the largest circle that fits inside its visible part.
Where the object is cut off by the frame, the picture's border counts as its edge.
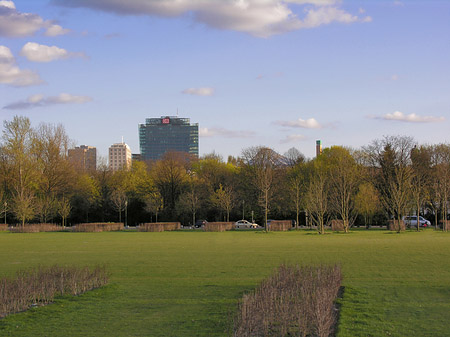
(280, 73)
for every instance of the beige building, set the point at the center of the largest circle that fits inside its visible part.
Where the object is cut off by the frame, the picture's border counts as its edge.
(119, 157)
(83, 158)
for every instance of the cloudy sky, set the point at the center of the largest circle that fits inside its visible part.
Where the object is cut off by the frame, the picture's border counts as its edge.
(280, 73)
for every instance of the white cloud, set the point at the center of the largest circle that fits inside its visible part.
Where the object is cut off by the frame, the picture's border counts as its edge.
(199, 91)
(55, 30)
(7, 4)
(293, 138)
(411, 118)
(40, 53)
(309, 123)
(221, 132)
(261, 18)
(11, 74)
(39, 100)
(16, 24)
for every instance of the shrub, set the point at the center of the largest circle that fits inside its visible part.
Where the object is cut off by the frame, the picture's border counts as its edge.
(294, 301)
(280, 225)
(3, 227)
(337, 225)
(159, 226)
(36, 228)
(218, 226)
(39, 286)
(98, 227)
(395, 225)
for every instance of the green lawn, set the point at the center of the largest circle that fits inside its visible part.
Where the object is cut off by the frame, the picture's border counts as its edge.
(187, 283)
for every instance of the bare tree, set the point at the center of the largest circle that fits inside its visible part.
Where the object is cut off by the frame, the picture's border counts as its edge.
(390, 161)
(442, 176)
(421, 166)
(170, 175)
(293, 157)
(154, 203)
(296, 182)
(119, 200)
(263, 163)
(46, 207)
(189, 201)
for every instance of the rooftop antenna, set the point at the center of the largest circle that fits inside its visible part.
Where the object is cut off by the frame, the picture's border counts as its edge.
(122, 139)
(177, 112)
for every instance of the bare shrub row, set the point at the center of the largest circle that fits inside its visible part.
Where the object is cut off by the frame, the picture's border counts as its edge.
(40, 285)
(36, 228)
(159, 226)
(98, 227)
(218, 226)
(294, 301)
(3, 227)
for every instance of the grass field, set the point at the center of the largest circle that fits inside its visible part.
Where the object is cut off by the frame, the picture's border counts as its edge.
(187, 283)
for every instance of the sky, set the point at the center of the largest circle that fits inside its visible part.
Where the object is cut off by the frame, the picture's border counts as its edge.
(277, 73)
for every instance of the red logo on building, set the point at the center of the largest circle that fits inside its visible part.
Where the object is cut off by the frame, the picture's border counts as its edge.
(166, 120)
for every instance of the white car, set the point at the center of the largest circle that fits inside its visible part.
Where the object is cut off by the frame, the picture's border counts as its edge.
(411, 221)
(244, 224)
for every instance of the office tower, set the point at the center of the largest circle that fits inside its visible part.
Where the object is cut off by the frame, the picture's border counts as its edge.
(160, 135)
(119, 157)
(83, 158)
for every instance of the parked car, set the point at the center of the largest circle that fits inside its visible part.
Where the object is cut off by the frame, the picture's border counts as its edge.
(411, 221)
(245, 224)
(200, 223)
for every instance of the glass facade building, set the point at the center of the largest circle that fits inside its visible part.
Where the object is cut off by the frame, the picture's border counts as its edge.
(160, 135)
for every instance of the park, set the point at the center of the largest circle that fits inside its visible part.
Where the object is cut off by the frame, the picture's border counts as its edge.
(188, 283)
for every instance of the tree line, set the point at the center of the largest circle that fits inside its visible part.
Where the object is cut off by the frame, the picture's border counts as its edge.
(391, 177)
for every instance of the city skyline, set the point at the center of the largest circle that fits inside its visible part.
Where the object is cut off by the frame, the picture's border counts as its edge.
(278, 73)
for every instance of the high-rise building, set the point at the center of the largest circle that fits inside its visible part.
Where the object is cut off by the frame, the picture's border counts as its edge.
(160, 135)
(83, 157)
(119, 157)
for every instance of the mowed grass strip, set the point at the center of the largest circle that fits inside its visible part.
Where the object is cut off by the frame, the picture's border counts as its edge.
(188, 283)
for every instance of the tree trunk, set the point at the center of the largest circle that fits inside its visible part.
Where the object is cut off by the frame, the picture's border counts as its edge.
(418, 212)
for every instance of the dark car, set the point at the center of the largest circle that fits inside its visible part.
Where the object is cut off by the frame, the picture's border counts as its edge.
(200, 223)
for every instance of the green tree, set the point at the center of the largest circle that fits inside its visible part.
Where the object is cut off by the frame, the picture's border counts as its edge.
(343, 181)
(64, 209)
(20, 166)
(367, 202)
(223, 198)
(317, 197)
